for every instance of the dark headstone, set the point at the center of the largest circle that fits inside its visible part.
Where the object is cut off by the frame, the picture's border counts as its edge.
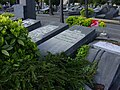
(25, 9)
(44, 33)
(68, 41)
(108, 57)
(107, 68)
(30, 9)
(31, 24)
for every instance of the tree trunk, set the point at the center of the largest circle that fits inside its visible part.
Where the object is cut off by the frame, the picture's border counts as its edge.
(50, 7)
(41, 4)
(61, 12)
(86, 8)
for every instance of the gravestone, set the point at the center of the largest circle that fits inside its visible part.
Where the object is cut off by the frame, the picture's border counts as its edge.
(19, 10)
(31, 24)
(25, 9)
(44, 33)
(68, 41)
(108, 57)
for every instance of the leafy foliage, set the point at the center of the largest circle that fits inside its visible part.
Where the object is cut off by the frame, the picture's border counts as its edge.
(90, 12)
(83, 51)
(22, 67)
(54, 2)
(55, 72)
(82, 21)
(7, 14)
(102, 24)
(71, 20)
(15, 46)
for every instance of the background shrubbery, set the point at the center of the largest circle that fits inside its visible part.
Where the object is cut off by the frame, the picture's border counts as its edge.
(7, 14)
(23, 68)
(90, 12)
(82, 21)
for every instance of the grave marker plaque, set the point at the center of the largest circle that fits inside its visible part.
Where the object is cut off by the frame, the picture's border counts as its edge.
(31, 24)
(44, 33)
(68, 41)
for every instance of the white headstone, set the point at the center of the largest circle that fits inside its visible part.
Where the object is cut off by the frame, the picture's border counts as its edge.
(22, 2)
(19, 11)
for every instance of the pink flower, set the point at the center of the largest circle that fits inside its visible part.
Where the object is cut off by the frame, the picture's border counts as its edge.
(94, 23)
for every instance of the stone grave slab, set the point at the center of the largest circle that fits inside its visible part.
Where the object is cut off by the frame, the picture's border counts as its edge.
(108, 59)
(31, 24)
(107, 68)
(68, 41)
(108, 47)
(44, 33)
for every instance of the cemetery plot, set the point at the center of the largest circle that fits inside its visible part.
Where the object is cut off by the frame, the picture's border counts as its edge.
(108, 64)
(44, 33)
(68, 41)
(31, 24)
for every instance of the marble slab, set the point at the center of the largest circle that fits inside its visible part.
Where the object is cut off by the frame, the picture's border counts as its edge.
(68, 41)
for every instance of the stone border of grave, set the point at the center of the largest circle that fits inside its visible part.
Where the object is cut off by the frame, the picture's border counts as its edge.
(32, 26)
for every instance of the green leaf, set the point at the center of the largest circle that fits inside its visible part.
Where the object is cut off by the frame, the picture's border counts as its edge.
(12, 41)
(16, 65)
(10, 48)
(21, 42)
(6, 46)
(5, 52)
(1, 41)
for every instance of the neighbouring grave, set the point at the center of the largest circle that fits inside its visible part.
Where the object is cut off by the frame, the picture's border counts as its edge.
(107, 56)
(31, 24)
(18, 11)
(25, 9)
(68, 41)
(111, 34)
(109, 47)
(44, 33)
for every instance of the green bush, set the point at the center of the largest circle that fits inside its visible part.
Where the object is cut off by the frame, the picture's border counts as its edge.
(14, 42)
(71, 20)
(0, 6)
(90, 12)
(22, 67)
(83, 21)
(80, 20)
(87, 22)
(83, 52)
(7, 14)
(102, 24)
(55, 72)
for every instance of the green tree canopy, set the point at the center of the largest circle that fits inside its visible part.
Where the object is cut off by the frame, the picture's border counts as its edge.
(4, 1)
(54, 2)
